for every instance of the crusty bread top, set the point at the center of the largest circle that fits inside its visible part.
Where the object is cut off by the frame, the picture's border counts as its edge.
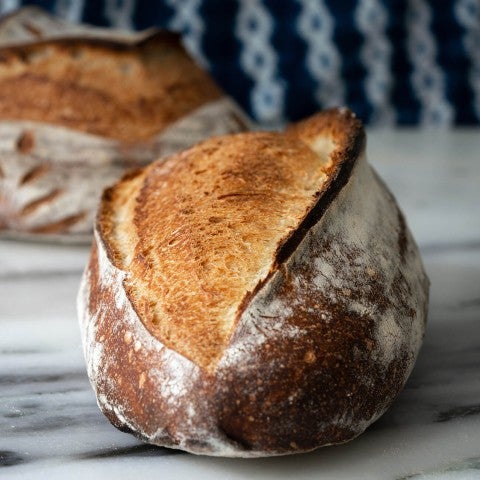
(199, 233)
(120, 91)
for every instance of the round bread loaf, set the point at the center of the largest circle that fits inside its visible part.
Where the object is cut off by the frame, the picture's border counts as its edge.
(258, 294)
(79, 106)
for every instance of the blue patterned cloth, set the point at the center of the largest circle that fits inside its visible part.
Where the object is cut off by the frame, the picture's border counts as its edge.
(406, 62)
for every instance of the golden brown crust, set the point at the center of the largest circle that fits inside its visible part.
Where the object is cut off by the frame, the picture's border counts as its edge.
(123, 92)
(188, 286)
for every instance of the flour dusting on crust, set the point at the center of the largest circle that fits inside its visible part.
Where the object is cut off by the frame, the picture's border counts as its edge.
(318, 353)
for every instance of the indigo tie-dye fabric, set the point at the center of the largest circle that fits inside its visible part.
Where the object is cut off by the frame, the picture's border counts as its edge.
(394, 62)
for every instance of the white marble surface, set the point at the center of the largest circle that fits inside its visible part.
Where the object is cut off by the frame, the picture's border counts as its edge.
(50, 426)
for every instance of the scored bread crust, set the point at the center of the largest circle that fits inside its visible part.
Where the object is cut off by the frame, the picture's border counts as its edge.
(319, 348)
(80, 105)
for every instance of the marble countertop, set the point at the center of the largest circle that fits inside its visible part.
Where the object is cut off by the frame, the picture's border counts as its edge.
(51, 427)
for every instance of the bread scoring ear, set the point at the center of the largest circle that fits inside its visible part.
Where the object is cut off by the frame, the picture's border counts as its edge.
(207, 227)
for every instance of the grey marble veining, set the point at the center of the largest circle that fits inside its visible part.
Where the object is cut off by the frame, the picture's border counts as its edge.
(50, 426)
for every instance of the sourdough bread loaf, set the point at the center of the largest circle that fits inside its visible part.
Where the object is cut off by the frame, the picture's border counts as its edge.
(258, 294)
(79, 106)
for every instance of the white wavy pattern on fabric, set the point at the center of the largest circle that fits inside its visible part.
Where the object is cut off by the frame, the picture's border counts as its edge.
(428, 80)
(119, 13)
(258, 59)
(189, 22)
(376, 52)
(7, 6)
(467, 13)
(315, 25)
(70, 10)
